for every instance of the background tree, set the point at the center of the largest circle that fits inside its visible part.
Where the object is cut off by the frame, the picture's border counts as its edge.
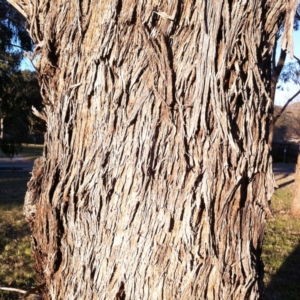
(286, 73)
(13, 37)
(19, 90)
(156, 172)
(291, 73)
(277, 66)
(295, 207)
(21, 93)
(14, 40)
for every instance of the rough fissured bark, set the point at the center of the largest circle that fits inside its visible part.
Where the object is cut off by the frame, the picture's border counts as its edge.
(156, 173)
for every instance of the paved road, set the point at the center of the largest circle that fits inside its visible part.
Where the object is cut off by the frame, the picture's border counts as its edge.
(284, 168)
(17, 163)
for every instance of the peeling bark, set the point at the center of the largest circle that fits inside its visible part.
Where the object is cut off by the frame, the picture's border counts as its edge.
(287, 36)
(295, 207)
(156, 172)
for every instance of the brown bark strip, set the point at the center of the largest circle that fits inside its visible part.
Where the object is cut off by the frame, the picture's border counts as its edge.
(295, 207)
(287, 35)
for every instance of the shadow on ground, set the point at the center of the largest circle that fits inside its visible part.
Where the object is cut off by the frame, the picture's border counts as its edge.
(286, 183)
(285, 284)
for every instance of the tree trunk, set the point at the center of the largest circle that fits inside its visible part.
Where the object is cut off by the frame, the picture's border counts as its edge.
(1, 127)
(295, 207)
(274, 79)
(156, 172)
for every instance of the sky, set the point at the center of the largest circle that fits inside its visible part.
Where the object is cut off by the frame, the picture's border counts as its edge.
(281, 96)
(289, 89)
(26, 64)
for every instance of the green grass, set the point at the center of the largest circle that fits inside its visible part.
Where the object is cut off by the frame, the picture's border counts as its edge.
(31, 151)
(281, 249)
(17, 266)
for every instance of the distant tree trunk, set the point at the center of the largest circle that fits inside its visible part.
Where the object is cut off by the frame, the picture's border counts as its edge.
(156, 173)
(276, 70)
(295, 207)
(1, 127)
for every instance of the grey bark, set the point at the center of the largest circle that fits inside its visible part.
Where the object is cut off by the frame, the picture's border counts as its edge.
(295, 207)
(1, 127)
(156, 173)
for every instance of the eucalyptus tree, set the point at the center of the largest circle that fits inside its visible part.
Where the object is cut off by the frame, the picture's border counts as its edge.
(156, 172)
(292, 73)
(295, 206)
(279, 66)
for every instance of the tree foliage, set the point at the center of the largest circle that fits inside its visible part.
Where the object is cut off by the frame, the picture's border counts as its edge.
(20, 93)
(14, 38)
(290, 73)
(19, 90)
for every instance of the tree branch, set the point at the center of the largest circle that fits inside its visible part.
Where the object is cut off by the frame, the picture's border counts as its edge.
(13, 290)
(14, 45)
(17, 5)
(298, 60)
(34, 290)
(274, 56)
(25, 293)
(276, 73)
(287, 36)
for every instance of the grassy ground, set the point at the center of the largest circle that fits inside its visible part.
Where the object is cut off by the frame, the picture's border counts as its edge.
(28, 151)
(31, 151)
(16, 262)
(15, 253)
(281, 250)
